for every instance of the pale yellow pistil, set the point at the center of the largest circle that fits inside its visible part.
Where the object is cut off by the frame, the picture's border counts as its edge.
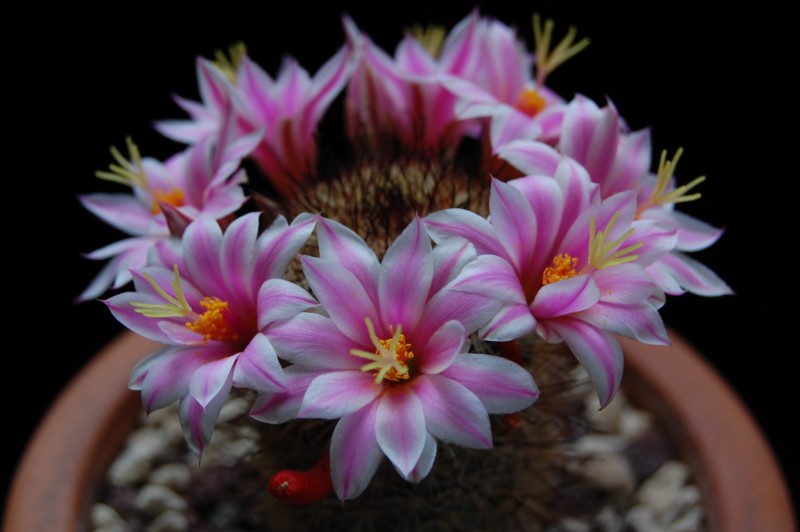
(661, 195)
(602, 253)
(391, 356)
(431, 37)
(211, 324)
(548, 60)
(229, 64)
(130, 173)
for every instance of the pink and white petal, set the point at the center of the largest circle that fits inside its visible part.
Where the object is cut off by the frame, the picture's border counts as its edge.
(597, 351)
(662, 276)
(163, 377)
(400, 428)
(693, 234)
(452, 412)
(338, 394)
(314, 341)
(530, 157)
(123, 211)
(178, 333)
(355, 453)
(342, 295)
(546, 200)
(694, 276)
(641, 322)
(279, 300)
(326, 85)
(472, 310)
(514, 223)
(198, 421)
(449, 258)
(341, 244)
(502, 386)
(425, 462)
(258, 368)
(212, 379)
(123, 310)
(278, 245)
(565, 297)
(509, 125)
(280, 407)
(624, 284)
(238, 256)
(403, 289)
(632, 162)
(511, 322)
(656, 239)
(578, 128)
(202, 242)
(442, 348)
(461, 223)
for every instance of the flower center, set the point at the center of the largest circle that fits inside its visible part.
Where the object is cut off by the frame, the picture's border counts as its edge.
(212, 324)
(563, 268)
(391, 356)
(173, 197)
(530, 102)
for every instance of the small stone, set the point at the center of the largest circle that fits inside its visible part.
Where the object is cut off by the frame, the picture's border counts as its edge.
(610, 472)
(607, 419)
(660, 491)
(233, 408)
(169, 521)
(174, 475)
(153, 499)
(691, 521)
(596, 444)
(642, 519)
(104, 516)
(572, 524)
(608, 519)
(136, 460)
(633, 423)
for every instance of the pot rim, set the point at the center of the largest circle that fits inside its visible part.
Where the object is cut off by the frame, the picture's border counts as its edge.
(708, 422)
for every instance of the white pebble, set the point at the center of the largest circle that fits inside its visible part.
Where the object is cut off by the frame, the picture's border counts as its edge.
(597, 444)
(572, 524)
(660, 491)
(103, 515)
(633, 423)
(174, 475)
(643, 519)
(153, 500)
(136, 460)
(608, 519)
(169, 521)
(610, 472)
(233, 408)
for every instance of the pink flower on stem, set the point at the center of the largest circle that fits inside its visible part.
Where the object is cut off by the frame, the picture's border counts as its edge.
(214, 311)
(388, 356)
(572, 267)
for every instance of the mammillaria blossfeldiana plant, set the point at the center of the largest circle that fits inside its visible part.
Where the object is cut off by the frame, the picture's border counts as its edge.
(398, 300)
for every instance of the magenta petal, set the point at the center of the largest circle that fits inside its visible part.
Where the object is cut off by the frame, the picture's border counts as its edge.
(279, 300)
(258, 368)
(201, 250)
(425, 462)
(280, 407)
(198, 422)
(452, 412)
(338, 394)
(443, 347)
(598, 352)
(340, 244)
(314, 341)
(449, 258)
(122, 309)
(238, 255)
(212, 379)
(692, 276)
(403, 289)
(502, 385)
(278, 245)
(355, 453)
(514, 223)
(511, 322)
(693, 234)
(400, 428)
(163, 377)
(565, 297)
(462, 223)
(530, 157)
(123, 211)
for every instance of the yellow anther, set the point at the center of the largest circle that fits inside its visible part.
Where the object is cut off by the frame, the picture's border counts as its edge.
(563, 268)
(213, 324)
(172, 197)
(602, 253)
(431, 37)
(391, 356)
(548, 60)
(530, 102)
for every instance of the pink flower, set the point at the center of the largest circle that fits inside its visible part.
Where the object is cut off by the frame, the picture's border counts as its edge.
(572, 268)
(214, 311)
(204, 179)
(388, 357)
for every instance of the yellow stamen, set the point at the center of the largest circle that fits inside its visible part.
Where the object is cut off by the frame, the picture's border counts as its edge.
(212, 323)
(666, 168)
(230, 66)
(530, 102)
(431, 37)
(129, 173)
(172, 197)
(174, 307)
(563, 268)
(548, 60)
(601, 252)
(390, 359)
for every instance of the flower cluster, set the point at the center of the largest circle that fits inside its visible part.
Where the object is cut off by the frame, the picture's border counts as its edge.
(274, 280)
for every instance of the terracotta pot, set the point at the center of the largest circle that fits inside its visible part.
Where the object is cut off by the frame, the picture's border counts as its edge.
(734, 466)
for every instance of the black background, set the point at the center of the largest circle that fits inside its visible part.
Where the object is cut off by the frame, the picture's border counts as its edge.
(711, 81)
